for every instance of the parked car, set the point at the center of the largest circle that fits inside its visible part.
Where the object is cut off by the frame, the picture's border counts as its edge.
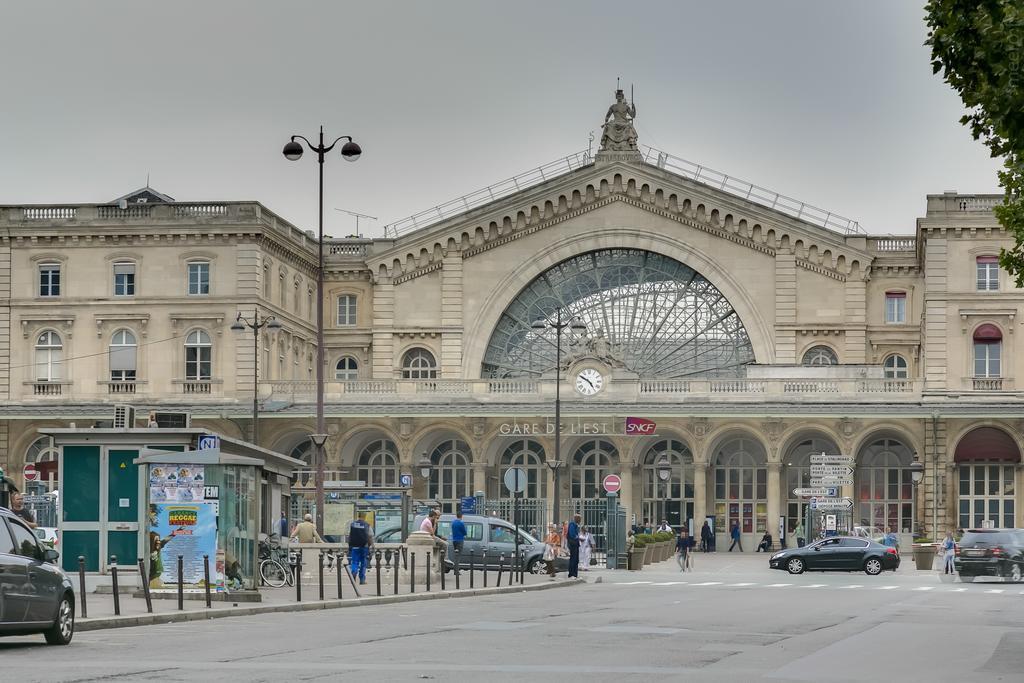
(495, 536)
(990, 552)
(837, 553)
(871, 533)
(38, 597)
(47, 535)
(389, 536)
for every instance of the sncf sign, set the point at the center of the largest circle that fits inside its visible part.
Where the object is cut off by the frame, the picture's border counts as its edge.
(638, 426)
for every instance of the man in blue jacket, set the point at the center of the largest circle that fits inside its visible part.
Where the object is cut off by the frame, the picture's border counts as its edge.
(573, 537)
(360, 538)
(458, 536)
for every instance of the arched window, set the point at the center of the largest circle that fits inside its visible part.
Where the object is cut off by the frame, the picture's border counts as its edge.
(298, 297)
(347, 369)
(123, 356)
(266, 281)
(988, 347)
(43, 454)
(451, 477)
(198, 356)
(895, 367)
(528, 455)
(670, 499)
(741, 486)
(347, 310)
(304, 451)
(798, 475)
(377, 464)
(987, 459)
(820, 355)
(281, 289)
(419, 364)
(591, 463)
(49, 357)
(885, 490)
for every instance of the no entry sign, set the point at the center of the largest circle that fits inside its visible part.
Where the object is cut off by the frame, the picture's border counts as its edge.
(30, 472)
(612, 483)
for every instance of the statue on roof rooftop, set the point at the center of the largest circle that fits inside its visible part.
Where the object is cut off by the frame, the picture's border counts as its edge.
(619, 134)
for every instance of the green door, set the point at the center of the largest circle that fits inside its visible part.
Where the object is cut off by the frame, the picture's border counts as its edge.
(80, 507)
(123, 506)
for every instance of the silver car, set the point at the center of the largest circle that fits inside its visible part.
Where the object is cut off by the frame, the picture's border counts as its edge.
(488, 539)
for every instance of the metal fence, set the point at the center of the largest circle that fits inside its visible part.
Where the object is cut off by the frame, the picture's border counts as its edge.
(532, 513)
(43, 509)
(594, 512)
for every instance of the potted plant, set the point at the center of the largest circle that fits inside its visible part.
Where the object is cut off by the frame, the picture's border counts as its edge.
(636, 554)
(666, 539)
(648, 541)
(923, 551)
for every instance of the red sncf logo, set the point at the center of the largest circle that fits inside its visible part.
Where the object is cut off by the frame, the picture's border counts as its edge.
(639, 425)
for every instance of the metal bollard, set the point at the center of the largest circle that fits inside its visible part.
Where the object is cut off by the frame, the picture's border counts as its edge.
(501, 568)
(412, 574)
(458, 558)
(81, 585)
(339, 570)
(472, 569)
(145, 586)
(378, 554)
(321, 575)
(429, 569)
(206, 580)
(441, 555)
(297, 573)
(405, 557)
(484, 562)
(181, 582)
(394, 567)
(522, 568)
(113, 578)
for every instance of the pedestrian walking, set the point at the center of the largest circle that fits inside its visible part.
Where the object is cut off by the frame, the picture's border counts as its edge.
(552, 546)
(684, 547)
(458, 538)
(948, 553)
(706, 537)
(360, 538)
(572, 537)
(586, 547)
(664, 526)
(801, 535)
(305, 531)
(282, 526)
(735, 534)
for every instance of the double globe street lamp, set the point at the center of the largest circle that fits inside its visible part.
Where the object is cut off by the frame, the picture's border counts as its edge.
(256, 323)
(293, 151)
(578, 326)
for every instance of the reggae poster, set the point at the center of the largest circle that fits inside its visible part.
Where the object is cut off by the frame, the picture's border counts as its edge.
(189, 530)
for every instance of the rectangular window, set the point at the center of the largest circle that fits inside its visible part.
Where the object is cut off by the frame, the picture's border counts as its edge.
(347, 310)
(49, 279)
(124, 279)
(988, 273)
(199, 278)
(895, 307)
(987, 359)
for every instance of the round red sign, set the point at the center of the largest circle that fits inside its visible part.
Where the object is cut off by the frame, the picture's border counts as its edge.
(612, 483)
(30, 472)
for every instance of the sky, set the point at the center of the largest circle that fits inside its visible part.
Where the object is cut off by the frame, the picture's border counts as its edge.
(832, 103)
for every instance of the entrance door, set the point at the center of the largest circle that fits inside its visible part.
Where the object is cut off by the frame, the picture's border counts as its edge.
(80, 511)
(122, 506)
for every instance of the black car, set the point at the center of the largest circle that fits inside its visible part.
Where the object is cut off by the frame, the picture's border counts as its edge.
(36, 596)
(838, 553)
(990, 552)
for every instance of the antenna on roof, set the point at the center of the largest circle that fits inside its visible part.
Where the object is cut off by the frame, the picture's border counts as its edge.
(147, 178)
(358, 216)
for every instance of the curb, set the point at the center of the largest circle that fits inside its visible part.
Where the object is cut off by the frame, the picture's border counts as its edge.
(101, 623)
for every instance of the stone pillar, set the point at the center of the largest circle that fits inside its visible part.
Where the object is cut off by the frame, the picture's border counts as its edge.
(935, 317)
(774, 498)
(785, 305)
(855, 318)
(480, 478)
(451, 316)
(626, 494)
(953, 494)
(700, 494)
(419, 544)
(383, 321)
(550, 476)
(930, 490)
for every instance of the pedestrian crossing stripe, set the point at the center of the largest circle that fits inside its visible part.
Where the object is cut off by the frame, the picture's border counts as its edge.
(853, 586)
(814, 585)
(670, 583)
(925, 588)
(996, 590)
(887, 588)
(778, 585)
(709, 583)
(742, 584)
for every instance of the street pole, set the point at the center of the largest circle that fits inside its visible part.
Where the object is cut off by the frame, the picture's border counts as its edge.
(256, 324)
(350, 151)
(558, 416)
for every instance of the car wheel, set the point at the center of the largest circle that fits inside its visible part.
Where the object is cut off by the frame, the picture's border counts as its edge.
(795, 566)
(873, 567)
(63, 628)
(1014, 574)
(537, 567)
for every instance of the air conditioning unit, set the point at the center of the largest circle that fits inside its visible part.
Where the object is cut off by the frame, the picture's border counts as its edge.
(124, 417)
(172, 420)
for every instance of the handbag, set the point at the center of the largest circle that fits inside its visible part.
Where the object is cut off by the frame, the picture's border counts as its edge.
(549, 554)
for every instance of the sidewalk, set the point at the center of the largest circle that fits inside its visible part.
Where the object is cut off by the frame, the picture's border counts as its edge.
(100, 606)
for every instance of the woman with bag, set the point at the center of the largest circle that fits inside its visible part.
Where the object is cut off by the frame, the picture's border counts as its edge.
(586, 547)
(552, 547)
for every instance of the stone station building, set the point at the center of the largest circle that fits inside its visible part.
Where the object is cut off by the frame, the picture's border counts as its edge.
(753, 329)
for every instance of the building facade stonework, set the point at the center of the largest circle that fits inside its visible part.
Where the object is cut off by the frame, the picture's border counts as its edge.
(752, 336)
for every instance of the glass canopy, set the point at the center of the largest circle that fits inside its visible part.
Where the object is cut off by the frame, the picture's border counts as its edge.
(643, 311)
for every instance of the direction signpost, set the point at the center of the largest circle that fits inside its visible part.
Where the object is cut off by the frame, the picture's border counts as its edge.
(826, 459)
(820, 491)
(823, 504)
(831, 471)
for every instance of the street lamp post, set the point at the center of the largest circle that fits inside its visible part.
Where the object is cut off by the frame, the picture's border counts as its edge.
(256, 323)
(916, 476)
(292, 151)
(576, 325)
(664, 467)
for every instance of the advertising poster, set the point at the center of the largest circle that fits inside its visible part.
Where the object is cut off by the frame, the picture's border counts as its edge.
(176, 483)
(186, 529)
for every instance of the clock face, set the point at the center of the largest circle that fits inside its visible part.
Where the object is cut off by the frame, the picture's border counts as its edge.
(589, 381)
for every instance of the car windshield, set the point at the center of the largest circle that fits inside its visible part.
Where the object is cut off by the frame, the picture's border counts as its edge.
(989, 538)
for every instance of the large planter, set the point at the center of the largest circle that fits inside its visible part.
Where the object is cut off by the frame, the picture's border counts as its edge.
(636, 558)
(659, 551)
(924, 556)
(667, 552)
(648, 553)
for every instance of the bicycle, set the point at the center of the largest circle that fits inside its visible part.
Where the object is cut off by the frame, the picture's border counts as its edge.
(276, 563)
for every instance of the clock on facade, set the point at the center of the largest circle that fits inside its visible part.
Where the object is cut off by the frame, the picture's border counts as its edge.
(589, 381)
